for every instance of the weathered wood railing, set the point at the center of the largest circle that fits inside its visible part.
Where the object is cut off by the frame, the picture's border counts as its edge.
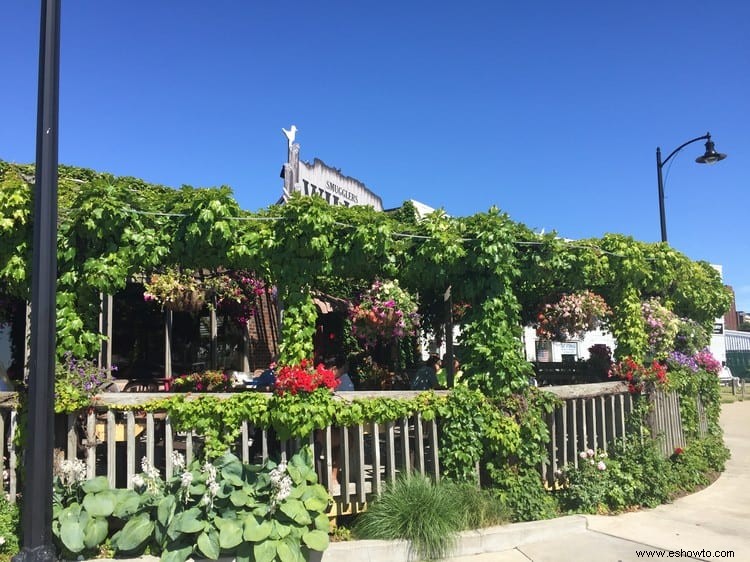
(112, 441)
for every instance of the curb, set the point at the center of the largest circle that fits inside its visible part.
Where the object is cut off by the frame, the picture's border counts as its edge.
(491, 539)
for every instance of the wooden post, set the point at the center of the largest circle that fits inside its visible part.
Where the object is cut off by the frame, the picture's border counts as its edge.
(168, 344)
(105, 329)
(213, 328)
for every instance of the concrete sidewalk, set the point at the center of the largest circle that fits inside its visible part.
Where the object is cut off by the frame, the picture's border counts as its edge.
(713, 524)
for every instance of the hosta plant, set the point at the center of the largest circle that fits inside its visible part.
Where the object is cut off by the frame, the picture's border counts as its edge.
(223, 508)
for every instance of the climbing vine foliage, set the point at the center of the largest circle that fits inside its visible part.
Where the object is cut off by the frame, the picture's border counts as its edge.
(112, 229)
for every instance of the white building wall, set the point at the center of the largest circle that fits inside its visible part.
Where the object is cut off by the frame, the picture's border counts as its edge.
(579, 348)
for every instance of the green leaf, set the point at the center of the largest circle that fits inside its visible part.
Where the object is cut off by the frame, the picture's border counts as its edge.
(128, 502)
(135, 532)
(230, 535)
(287, 551)
(255, 531)
(177, 552)
(232, 473)
(188, 521)
(265, 551)
(208, 543)
(100, 504)
(316, 540)
(71, 534)
(165, 510)
(98, 484)
(239, 498)
(295, 510)
(96, 532)
(316, 504)
(322, 523)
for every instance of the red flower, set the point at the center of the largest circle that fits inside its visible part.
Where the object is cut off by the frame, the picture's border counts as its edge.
(303, 378)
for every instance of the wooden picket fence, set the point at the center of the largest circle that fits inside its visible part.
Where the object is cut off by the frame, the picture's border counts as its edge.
(112, 441)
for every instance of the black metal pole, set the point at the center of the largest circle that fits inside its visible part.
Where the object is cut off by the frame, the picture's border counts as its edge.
(662, 216)
(37, 495)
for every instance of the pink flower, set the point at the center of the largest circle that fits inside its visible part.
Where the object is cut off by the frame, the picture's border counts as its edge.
(601, 466)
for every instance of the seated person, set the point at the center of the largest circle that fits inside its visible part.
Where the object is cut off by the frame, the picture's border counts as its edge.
(442, 374)
(265, 381)
(425, 378)
(340, 367)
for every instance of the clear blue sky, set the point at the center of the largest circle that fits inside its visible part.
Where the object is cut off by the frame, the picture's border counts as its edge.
(550, 110)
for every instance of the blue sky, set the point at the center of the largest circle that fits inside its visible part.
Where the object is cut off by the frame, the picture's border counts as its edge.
(550, 110)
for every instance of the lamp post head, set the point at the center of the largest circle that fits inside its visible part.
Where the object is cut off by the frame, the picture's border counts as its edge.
(711, 156)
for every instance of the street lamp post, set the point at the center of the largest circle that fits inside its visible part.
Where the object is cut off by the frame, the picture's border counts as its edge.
(37, 495)
(709, 157)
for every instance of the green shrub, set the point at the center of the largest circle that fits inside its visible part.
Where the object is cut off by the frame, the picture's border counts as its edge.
(693, 466)
(523, 495)
(10, 529)
(416, 509)
(634, 474)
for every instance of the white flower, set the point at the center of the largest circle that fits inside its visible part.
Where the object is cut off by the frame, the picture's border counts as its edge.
(149, 470)
(186, 479)
(2, 541)
(72, 471)
(211, 470)
(590, 452)
(603, 455)
(582, 454)
(178, 460)
(138, 481)
(213, 489)
(601, 465)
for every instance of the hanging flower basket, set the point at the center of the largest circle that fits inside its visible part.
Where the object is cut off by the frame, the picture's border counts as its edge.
(572, 316)
(385, 312)
(236, 294)
(176, 290)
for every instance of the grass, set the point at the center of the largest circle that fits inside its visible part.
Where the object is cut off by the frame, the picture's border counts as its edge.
(427, 514)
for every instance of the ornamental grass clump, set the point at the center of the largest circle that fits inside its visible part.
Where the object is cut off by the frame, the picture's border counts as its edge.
(416, 509)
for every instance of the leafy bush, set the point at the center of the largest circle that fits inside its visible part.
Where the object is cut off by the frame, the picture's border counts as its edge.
(206, 510)
(10, 529)
(416, 509)
(523, 495)
(693, 466)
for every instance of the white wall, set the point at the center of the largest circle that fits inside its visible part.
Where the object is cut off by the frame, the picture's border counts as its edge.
(580, 346)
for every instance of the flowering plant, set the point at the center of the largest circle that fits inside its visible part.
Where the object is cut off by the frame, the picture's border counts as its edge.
(385, 311)
(221, 506)
(294, 379)
(703, 360)
(77, 381)
(662, 326)
(707, 361)
(637, 375)
(208, 381)
(176, 289)
(572, 316)
(236, 294)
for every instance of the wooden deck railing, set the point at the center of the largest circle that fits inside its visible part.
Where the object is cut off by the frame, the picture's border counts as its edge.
(112, 442)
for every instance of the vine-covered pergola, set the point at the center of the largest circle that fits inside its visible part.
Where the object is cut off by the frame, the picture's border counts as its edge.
(114, 228)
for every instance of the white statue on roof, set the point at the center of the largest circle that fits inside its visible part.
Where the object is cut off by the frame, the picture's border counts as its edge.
(290, 134)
